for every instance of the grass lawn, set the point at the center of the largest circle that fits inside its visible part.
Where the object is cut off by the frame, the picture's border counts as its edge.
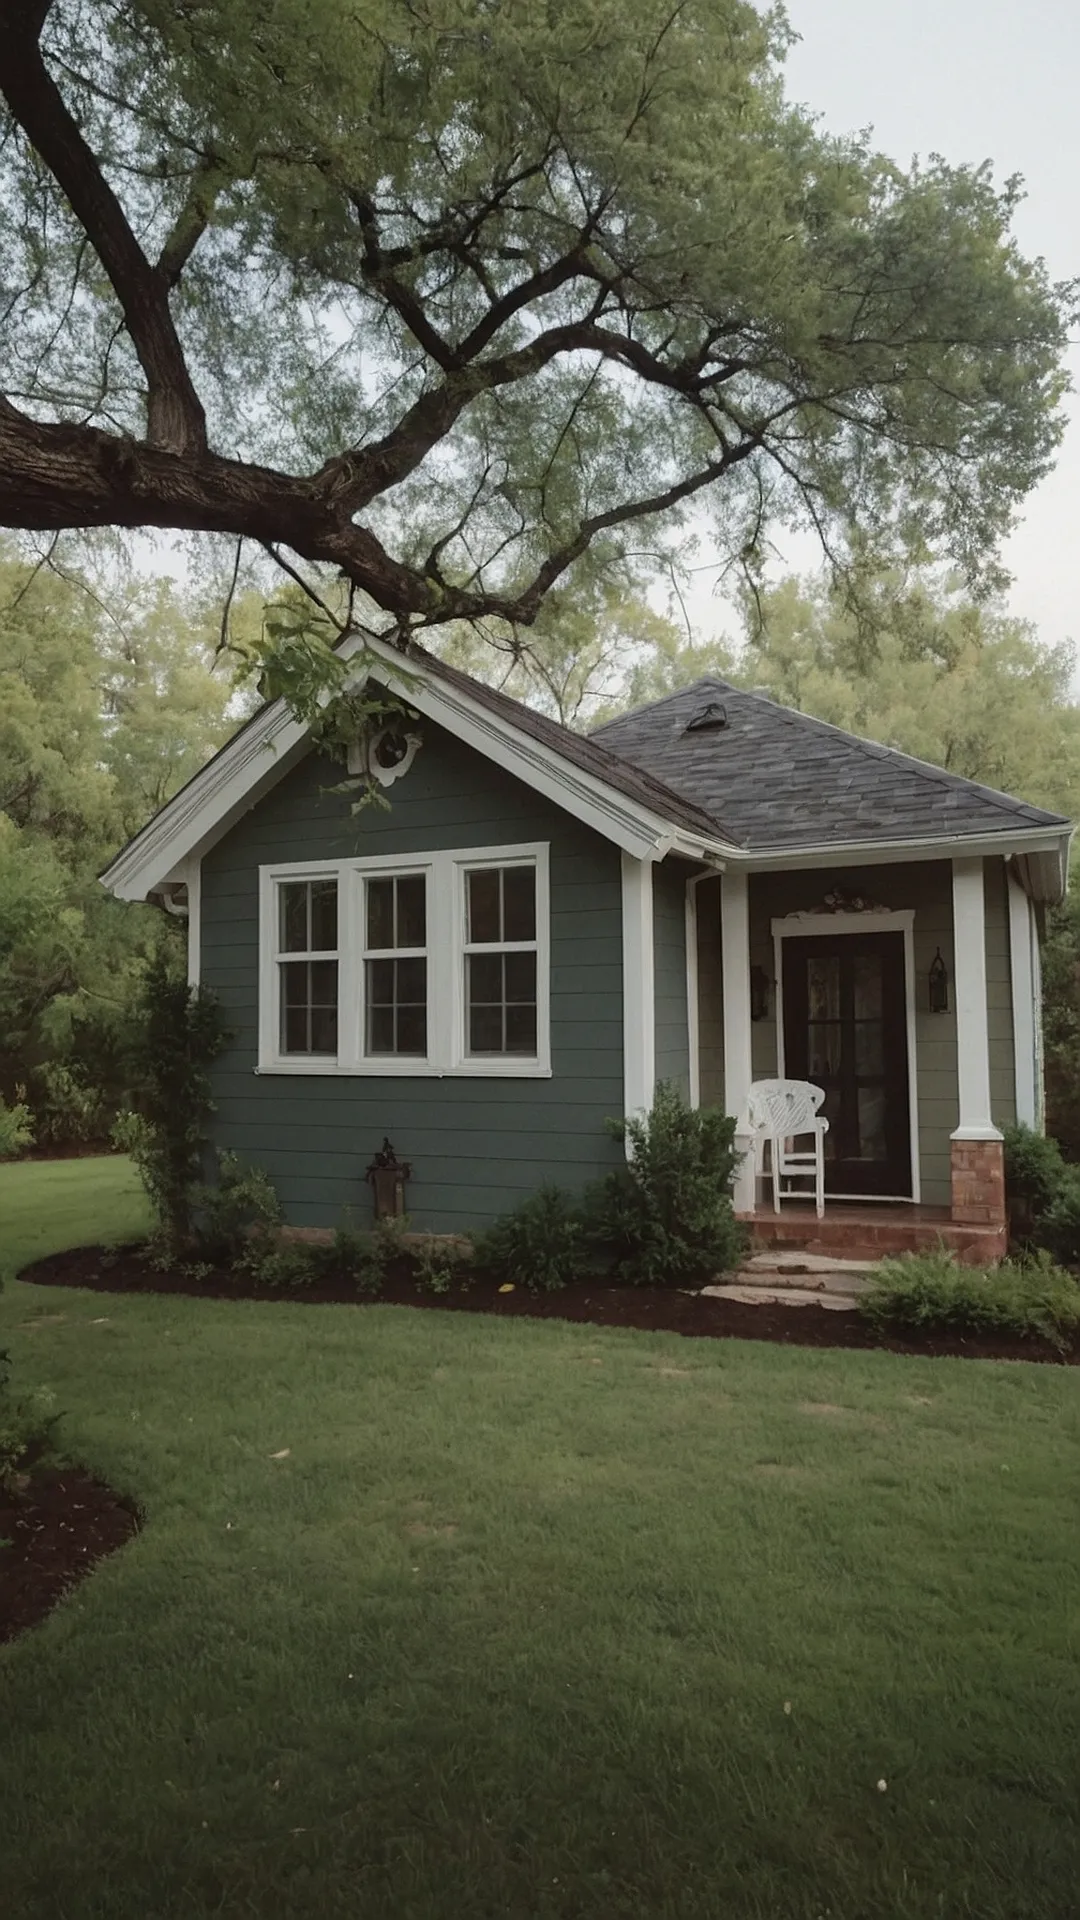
(445, 1616)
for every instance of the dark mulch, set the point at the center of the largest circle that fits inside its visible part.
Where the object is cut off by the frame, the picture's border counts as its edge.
(124, 1270)
(53, 1531)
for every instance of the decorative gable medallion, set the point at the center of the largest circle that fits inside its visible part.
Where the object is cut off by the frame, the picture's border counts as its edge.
(386, 754)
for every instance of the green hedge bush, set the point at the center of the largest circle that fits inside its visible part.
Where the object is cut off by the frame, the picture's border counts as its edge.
(1028, 1296)
(541, 1244)
(666, 1218)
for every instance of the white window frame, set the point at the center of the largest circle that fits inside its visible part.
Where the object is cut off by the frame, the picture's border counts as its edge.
(284, 956)
(445, 871)
(390, 1061)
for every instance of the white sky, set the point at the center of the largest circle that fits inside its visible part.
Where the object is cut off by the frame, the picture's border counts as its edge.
(973, 80)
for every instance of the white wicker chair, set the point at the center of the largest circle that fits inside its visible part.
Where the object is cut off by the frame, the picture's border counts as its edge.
(782, 1113)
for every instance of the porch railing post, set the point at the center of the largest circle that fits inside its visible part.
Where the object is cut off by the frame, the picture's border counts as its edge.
(978, 1180)
(738, 1071)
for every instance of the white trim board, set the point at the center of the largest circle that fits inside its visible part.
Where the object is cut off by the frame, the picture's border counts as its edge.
(809, 925)
(639, 999)
(1023, 943)
(197, 817)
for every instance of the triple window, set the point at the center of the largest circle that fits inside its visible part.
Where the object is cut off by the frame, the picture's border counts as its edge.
(438, 965)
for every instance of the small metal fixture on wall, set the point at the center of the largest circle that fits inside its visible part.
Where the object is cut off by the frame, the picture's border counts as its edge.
(759, 994)
(938, 981)
(388, 1175)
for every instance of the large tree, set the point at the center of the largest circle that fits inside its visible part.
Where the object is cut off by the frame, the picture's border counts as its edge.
(461, 296)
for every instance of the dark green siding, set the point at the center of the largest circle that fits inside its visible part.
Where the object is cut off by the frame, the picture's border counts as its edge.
(476, 1146)
(669, 970)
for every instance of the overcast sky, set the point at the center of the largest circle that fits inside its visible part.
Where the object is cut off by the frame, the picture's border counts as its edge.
(973, 80)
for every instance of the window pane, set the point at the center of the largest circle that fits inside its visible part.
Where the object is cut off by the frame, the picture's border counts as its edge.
(519, 903)
(520, 976)
(324, 983)
(823, 987)
(485, 976)
(380, 983)
(484, 915)
(380, 1029)
(324, 1030)
(380, 913)
(521, 1030)
(294, 920)
(411, 911)
(323, 916)
(411, 980)
(869, 1047)
(294, 1030)
(485, 1029)
(294, 983)
(412, 1030)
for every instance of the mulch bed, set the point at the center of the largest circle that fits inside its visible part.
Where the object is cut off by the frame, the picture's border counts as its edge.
(124, 1270)
(57, 1527)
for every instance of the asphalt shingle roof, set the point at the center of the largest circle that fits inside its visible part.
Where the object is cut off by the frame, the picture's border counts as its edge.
(621, 771)
(772, 777)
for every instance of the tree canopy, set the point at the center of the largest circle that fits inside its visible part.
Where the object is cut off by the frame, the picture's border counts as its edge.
(464, 297)
(105, 709)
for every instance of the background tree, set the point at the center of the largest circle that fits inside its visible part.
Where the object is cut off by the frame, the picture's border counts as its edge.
(462, 299)
(105, 709)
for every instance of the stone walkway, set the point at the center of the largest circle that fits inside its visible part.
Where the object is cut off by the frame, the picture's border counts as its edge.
(794, 1279)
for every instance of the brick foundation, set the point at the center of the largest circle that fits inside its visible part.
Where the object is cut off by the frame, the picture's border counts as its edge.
(978, 1184)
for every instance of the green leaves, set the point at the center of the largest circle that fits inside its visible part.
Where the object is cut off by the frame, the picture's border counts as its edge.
(465, 289)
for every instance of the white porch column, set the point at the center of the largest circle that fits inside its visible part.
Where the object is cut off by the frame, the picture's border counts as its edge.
(735, 966)
(1022, 954)
(972, 1027)
(639, 1005)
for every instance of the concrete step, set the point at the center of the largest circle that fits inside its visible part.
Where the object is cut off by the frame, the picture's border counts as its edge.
(783, 1296)
(773, 1260)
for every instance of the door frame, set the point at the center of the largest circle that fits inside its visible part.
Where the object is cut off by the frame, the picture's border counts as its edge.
(798, 926)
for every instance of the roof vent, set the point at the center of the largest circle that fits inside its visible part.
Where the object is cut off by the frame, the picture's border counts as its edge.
(709, 719)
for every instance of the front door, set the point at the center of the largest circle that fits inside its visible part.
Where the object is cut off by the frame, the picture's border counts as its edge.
(845, 1029)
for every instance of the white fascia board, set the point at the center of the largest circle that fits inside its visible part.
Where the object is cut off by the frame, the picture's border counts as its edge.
(633, 828)
(270, 744)
(1047, 841)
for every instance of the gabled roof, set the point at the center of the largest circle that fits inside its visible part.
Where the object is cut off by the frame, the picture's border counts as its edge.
(781, 779)
(586, 751)
(625, 803)
(770, 782)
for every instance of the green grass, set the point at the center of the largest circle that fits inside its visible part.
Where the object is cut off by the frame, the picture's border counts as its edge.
(514, 1625)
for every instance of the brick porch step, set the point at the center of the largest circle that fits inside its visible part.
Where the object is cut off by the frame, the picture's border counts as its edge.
(864, 1235)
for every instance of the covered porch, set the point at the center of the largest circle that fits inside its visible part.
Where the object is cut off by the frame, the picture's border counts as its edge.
(909, 991)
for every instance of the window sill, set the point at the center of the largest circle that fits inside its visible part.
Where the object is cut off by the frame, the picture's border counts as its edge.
(403, 1070)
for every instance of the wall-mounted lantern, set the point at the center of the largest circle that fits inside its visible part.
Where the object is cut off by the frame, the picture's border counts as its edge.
(759, 994)
(388, 1175)
(938, 982)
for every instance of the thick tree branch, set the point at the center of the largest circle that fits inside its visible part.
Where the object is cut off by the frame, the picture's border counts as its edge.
(174, 412)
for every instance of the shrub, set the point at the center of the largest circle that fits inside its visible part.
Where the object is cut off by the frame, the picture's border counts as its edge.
(237, 1218)
(1058, 1229)
(179, 1032)
(1028, 1296)
(437, 1266)
(362, 1258)
(541, 1244)
(16, 1128)
(69, 1108)
(666, 1218)
(1043, 1192)
(1034, 1174)
(26, 1427)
